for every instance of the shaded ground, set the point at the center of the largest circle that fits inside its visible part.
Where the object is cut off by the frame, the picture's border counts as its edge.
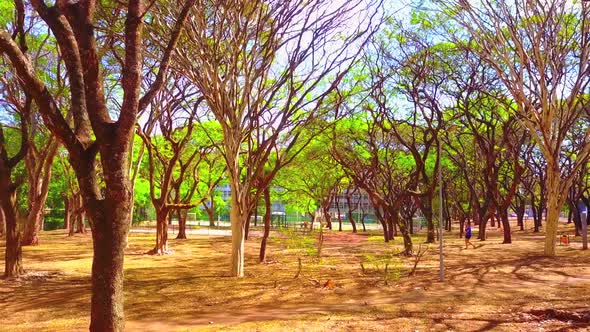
(494, 287)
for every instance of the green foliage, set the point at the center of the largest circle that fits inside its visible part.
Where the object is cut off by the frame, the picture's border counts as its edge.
(6, 12)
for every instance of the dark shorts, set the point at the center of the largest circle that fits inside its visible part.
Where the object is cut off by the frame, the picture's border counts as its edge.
(468, 237)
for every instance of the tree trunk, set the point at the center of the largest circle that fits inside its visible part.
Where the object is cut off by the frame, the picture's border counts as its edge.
(110, 225)
(33, 223)
(407, 238)
(237, 218)
(38, 190)
(520, 214)
(256, 216)
(381, 219)
(76, 209)
(67, 213)
(483, 222)
(577, 218)
(363, 215)
(80, 225)
(182, 213)
(13, 255)
(161, 247)
(538, 220)
(211, 213)
(554, 204)
(2, 222)
(350, 211)
(427, 211)
(506, 226)
(461, 226)
(328, 217)
(267, 205)
(352, 222)
(390, 232)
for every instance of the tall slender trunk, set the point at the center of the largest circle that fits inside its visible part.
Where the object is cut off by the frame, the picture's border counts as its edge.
(237, 218)
(67, 212)
(267, 205)
(554, 203)
(506, 226)
(182, 213)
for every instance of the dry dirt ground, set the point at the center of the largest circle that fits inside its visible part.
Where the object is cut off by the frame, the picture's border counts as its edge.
(499, 287)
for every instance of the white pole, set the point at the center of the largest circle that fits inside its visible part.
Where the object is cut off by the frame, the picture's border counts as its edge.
(584, 222)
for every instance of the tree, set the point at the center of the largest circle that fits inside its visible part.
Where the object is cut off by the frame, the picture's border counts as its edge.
(268, 69)
(375, 160)
(19, 106)
(540, 51)
(174, 112)
(95, 136)
(9, 184)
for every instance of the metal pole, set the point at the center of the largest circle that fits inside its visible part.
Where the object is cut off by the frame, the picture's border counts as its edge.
(440, 217)
(584, 221)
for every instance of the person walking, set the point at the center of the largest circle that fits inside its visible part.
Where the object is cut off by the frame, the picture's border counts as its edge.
(468, 235)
